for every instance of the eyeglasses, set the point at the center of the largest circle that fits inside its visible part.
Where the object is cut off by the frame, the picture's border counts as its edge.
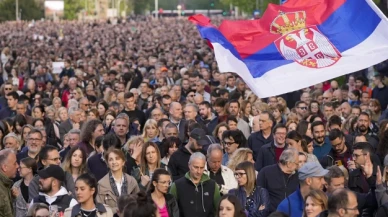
(336, 145)
(303, 108)
(228, 143)
(239, 175)
(55, 159)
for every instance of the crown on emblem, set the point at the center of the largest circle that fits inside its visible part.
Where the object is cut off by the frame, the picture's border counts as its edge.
(288, 22)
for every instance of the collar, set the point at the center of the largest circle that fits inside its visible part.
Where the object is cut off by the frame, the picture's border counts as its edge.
(77, 209)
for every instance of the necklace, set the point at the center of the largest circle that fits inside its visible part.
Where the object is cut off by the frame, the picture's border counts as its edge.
(87, 215)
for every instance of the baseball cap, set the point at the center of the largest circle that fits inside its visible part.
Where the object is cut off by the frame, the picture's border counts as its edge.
(54, 171)
(311, 169)
(200, 136)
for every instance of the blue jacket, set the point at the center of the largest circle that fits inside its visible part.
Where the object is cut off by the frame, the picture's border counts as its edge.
(260, 197)
(293, 205)
(322, 151)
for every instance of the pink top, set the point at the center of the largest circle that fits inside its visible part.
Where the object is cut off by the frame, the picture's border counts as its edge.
(163, 211)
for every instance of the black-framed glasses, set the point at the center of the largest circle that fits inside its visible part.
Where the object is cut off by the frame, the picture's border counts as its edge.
(336, 145)
(239, 175)
(228, 143)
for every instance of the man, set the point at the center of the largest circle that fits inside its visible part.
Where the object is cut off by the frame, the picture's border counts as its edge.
(231, 83)
(34, 142)
(280, 179)
(200, 89)
(262, 137)
(51, 191)
(10, 110)
(195, 193)
(157, 114)
(190, 111)
(337, 96)
(219, 109)
(327, 97)
(361, 87)
(322, 145)
(342, 203)
(221, 174)
(175, 114)
(356, 111)
(340, 152)
(74, 139)
(178, 161)
(162, 123)
(8, 170)
(365, 98)
(74, 122)
(132, 111)
(206, 117)
(328, 110)
(178, 92)
(270, 153)
(12, 141)
(240, 87)
(363, 128)
(21, 108)
(234, 109)
(84, 104)
(166, 101)
(8, 88)
(198, 98)
(334, 179)
(121, 127)
(301, 110)
(48, 156)
(143, 97)
(380, 92)
(346, 110)
(232, 140)
(310, 178)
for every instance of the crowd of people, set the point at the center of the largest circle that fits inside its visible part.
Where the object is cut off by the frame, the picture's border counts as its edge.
(141, 123)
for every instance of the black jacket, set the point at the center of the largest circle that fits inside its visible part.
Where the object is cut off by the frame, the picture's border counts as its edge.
(256, 140)
(356, 184)
(179, 163)
(278, 184)
(266, 156)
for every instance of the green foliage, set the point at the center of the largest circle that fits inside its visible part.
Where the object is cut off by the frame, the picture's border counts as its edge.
(72, 8)
(29, 10)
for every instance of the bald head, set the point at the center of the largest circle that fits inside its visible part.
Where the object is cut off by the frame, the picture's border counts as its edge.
(327, 96)
(198, 98)
(175, 111)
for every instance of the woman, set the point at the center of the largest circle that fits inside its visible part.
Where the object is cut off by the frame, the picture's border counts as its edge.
(149, 162)
(61, 115)
(25, 131)
(110, 96)
(291, 125)
(169, 146)
(102, 107)
(86, 192)
(116, 182)
(219, 130)
(75, 162)
(140, 206)
(232, 122)
(77, 94)
(57, 103)
(39, 113)
(38, 210)
(314, 108)
(375, 107)
(254, 198)
(108, 118)
(158, 192)
(295, 140)
(246, 109)
(304, 128)
(240, 155)
(230, 206)
(56, 92)
(151, 131)
(27, 170)
(18, 124)
(90, 131)
(38, 123)
(315, 203)
(354, 97)
(93, 114)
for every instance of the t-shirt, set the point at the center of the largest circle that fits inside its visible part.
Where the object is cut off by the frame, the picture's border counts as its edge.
(88, 213)
(24, 191)
(278, 152)
(163, 211)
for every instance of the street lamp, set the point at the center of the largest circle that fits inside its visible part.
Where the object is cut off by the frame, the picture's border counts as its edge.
(179, 7)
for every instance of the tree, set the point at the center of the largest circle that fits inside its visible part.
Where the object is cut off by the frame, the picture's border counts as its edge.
(72, 8)
(29, 10)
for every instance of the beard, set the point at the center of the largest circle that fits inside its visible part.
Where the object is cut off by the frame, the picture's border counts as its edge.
(45, 189)
(363, 129)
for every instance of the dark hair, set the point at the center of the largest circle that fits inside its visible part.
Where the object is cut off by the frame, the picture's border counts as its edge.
(43, 154)
(155, 178)
(294, 135)
(335, 133)
(238, 209)
(339, 199)
(89, 181)
(278, 126)
(357, 94)
(364, 146)
(14, 95)
(334, 172)
(161, 121)
(335, 120)
(365, 114)
(124, 200)
(110, 140)
(316, 123)
(40, 107)
(220, 102)
(231, 118)
(36, 120)
(168, 143)
(237, 136)
(87, 130)
(142, 207)
(30, 163)
(302, 127)
(103, 103)
(128, 95)
(305, 141)
(19, 119)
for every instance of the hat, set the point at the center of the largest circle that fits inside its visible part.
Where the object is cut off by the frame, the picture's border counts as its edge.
(54, 171)
(311, 169)
(386, 160)
(200, 136)
(163, 69)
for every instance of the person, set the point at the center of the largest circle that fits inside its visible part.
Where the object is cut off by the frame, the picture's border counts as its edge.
(221, 174)
(230, 206)
(196, 189)
(168, 147)
(158, 192)
(8, 170)
(280, 179)
(315, 203)
(322, 145)
(240, 155)
(340, 152)
(89, 132)
(86, 192)
(27, 170)
(342, 203)
(264, 136)
(75, 162)
(141, 206)
(270, 153)
(74, 122)
(232, 140)
(149, 162)
(116, 182)
(51, 192)
(310, 178)
(34, 145)
(300, 143)
(254, 198)
(178, 161)
(38, 209)
(123, 201)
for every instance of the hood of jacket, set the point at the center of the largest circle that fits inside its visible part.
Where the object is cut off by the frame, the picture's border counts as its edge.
(204, 177)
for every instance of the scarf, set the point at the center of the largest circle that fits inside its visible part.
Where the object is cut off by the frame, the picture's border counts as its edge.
(124, 187)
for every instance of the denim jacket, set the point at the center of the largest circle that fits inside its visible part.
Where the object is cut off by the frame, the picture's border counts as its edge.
(260, 197)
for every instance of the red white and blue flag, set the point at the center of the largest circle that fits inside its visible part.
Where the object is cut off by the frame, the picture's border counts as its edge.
(299, 43)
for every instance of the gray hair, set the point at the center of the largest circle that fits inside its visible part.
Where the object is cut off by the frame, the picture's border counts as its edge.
(4, 155)
(288, 155)
(239, 80)
(197, 155)
(72, 110)
(13, 135)
(213, 147)
(203, 82)
(192, 105)
(74, 131)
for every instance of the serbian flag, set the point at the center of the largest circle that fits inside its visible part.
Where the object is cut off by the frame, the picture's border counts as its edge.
(299, 43)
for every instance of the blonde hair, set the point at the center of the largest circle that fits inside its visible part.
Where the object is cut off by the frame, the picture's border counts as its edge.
(133, 140)
(56, 117)
(261, 106)
(250, 173)
(149, 124)
(240, 155)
